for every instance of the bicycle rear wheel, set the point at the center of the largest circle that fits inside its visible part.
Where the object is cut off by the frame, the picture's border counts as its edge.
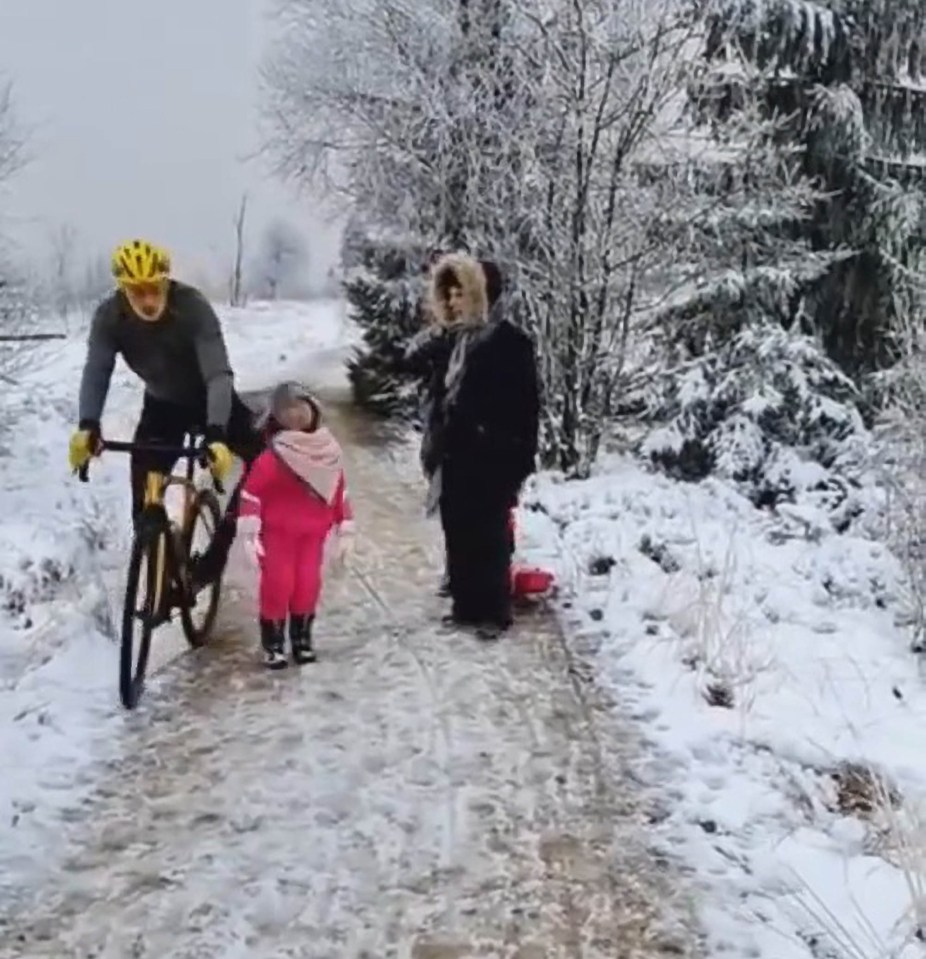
(139, 612)
(197, 620)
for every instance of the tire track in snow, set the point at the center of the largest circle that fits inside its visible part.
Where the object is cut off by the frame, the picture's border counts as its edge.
(439, 726)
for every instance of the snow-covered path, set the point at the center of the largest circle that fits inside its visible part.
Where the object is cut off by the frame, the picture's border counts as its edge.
(414, 794)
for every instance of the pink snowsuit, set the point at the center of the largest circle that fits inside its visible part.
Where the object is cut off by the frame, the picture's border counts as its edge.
(296, 488)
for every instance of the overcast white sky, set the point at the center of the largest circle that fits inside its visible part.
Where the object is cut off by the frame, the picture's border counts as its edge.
(142, 114)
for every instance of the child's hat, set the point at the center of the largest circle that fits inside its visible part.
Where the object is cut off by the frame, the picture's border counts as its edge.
(292, 406)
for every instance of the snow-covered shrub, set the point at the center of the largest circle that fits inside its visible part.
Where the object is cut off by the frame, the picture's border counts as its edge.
(721, 633)
(895, 831)
(34, 567)
(768, 411)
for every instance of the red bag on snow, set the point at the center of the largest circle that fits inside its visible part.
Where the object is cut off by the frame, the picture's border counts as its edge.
(526, 581)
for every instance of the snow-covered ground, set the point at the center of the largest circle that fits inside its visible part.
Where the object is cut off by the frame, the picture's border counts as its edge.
(759, 654)
(418, 793)
(63, 549)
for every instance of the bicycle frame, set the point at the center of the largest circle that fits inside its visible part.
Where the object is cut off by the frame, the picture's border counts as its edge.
(154, 510)
(157, 484)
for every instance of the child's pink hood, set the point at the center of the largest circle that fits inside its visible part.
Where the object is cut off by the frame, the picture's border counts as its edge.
(316, 458)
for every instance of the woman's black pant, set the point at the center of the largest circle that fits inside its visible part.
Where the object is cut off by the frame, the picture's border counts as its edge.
(474, 515)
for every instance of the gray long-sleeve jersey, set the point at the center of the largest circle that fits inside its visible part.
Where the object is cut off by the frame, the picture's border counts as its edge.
(180, 358)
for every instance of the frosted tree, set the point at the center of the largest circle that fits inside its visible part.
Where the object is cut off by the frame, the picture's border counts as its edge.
(63, 244)
(393, 112)
(381, 280)
(281, 260)
(19, 298)
(832, 80)
(394, 107)
(12, 159)
(95, 283)
(12, 137)
(848, 74)
(551, 138)
(382, 283)
(629, 211)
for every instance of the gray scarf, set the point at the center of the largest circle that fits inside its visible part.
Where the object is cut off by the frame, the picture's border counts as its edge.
(456, 368)
(457, 365)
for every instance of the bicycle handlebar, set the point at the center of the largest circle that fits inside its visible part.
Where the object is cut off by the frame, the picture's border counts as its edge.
(198, 453)
(179, 452)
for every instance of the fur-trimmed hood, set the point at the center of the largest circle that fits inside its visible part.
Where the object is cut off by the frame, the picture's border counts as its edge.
(468, 273)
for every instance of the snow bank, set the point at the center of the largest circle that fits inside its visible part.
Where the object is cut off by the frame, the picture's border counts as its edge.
(63, 550)
(759, 654)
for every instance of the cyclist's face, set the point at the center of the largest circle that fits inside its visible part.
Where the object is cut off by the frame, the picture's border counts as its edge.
(148, 300)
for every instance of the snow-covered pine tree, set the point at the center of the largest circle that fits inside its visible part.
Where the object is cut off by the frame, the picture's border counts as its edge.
(849, 75)
(737, 389)
(382, 284)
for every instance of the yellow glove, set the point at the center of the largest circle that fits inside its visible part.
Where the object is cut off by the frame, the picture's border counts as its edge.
(220, 461)
(81, 448)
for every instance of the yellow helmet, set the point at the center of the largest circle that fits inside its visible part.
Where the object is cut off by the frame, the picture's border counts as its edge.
(139, 261)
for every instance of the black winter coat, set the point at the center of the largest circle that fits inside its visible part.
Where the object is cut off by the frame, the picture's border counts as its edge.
(492, 429)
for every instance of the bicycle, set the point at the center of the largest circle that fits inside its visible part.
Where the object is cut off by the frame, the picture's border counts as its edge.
(165, 548)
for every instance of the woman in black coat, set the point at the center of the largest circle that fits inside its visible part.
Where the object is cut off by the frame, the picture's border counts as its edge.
(490, 411)
(427, 355)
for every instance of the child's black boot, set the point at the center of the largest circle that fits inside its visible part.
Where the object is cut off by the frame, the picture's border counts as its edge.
(273, 640)
(300, 635)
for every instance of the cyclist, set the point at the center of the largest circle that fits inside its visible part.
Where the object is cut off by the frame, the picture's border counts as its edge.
(170, 337)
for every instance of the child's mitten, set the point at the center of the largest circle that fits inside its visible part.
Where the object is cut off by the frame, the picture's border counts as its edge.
(249, 530)
(344, 543)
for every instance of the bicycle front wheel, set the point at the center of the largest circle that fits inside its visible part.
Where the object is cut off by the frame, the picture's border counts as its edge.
(198, 619)
(142, 598)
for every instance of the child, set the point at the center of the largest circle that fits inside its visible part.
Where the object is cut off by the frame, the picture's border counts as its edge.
(293, 496)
